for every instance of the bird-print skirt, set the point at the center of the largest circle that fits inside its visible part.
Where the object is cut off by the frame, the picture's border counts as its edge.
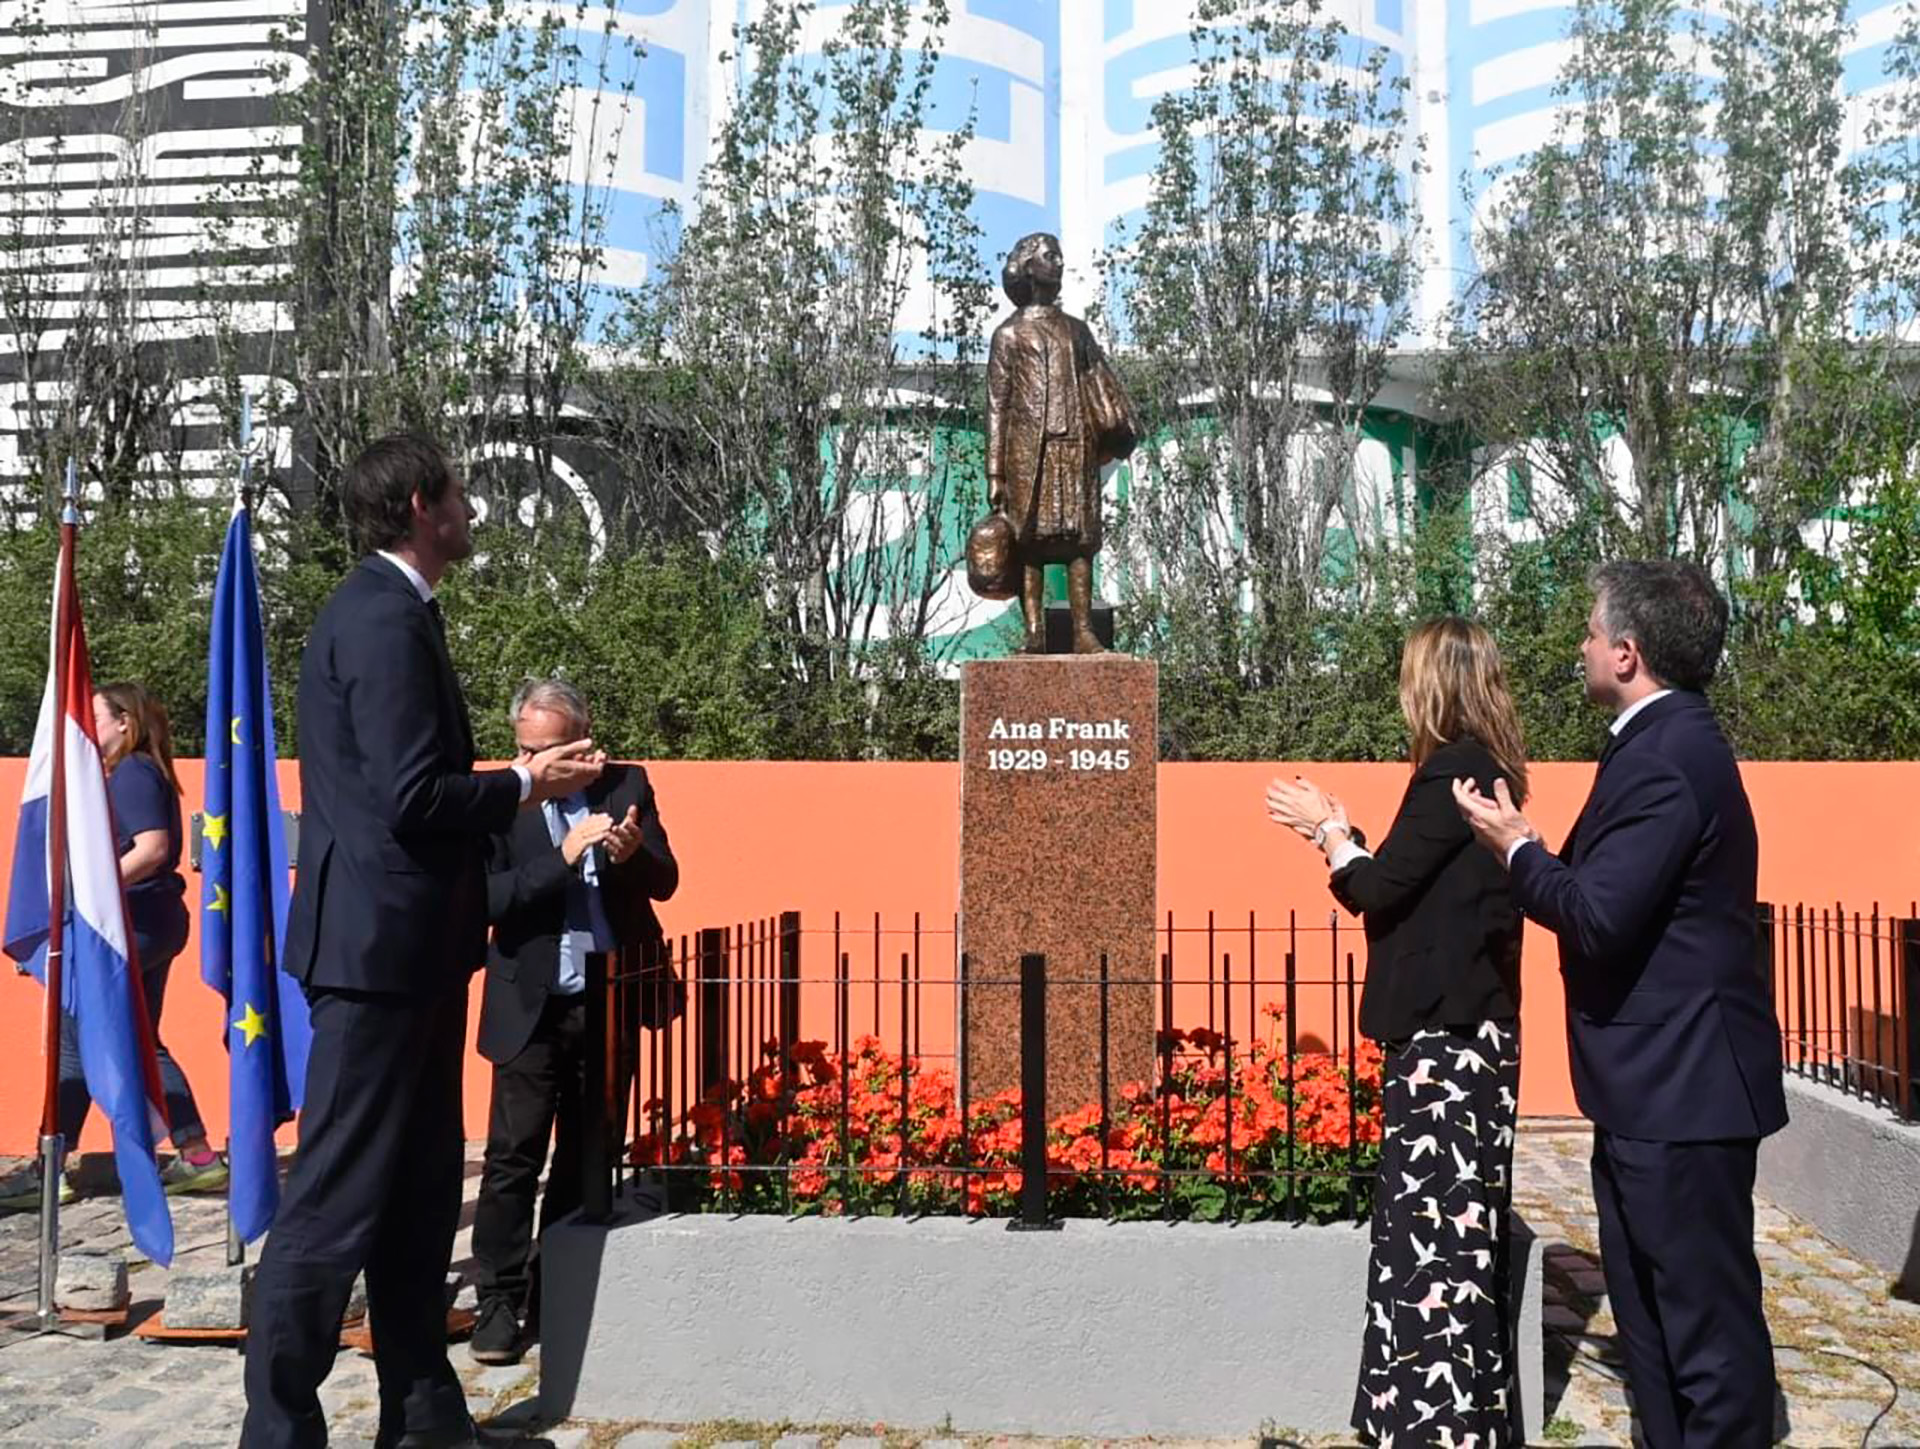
(1437, 1367)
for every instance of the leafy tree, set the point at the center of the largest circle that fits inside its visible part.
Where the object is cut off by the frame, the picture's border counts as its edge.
(442, 245)
(1259, 299)
(831, 252)
(1656, 284)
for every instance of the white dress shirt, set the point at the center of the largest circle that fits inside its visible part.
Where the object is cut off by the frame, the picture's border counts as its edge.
(1620, 722)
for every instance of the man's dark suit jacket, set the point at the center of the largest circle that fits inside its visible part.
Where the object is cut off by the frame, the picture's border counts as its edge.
(1672, 1032)
(391, 891)
(1443, 938)
(527, 901)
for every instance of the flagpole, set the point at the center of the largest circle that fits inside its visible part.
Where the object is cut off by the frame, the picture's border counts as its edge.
(236, 1249)
(50, 1142)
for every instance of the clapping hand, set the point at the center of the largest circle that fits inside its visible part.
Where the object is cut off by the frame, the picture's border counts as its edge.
(1496, 823)
(1303, 807)
(584, 836)
(623, 838)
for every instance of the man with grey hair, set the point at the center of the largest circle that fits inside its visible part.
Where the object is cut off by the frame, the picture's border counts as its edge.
(1674, 1047)
(566, 884)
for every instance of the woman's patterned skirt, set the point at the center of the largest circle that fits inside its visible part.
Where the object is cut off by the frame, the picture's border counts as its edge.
(1438, 1360)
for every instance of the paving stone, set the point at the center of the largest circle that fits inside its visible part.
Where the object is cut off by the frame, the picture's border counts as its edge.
(186, 1371)
(17, 1413)
(738, 1444)
(1854, 1411)
(1833, 1288)
(91, 1282)
(62, 1428)
(797, 1441)
(943, 1444)
(1792, 1303)
(498, 1378)
(1612, 1394)
(861, 1441)
(657, 1439)
(1825, 1385)
(127, 1399)
(1792, 1360)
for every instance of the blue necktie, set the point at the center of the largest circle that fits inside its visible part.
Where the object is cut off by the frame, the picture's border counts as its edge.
(586, 912)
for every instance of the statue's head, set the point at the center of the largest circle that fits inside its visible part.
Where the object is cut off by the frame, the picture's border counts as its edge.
(1033, 267)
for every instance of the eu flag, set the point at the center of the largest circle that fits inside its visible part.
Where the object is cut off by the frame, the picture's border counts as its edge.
(243, 911)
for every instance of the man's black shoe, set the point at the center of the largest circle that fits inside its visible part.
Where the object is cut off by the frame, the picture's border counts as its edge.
(496, 1336)
(456, 1438)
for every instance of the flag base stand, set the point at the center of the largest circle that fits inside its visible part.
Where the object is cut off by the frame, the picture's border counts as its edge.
(44, 1317)
(50, 1155)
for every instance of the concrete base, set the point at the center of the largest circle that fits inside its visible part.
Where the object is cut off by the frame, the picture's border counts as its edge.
(91, 1282)
(1852, 1171)
(1098, 1329)
(213, 1298)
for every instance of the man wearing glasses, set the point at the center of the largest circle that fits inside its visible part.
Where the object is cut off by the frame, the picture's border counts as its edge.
(571, 881)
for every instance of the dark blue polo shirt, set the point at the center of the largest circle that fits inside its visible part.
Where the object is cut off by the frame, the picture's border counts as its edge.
(144, 799)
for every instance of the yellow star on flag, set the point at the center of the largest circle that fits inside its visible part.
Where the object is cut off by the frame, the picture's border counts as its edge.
(219, 901)
(251, 1024)
(234, 730)
(215, 831)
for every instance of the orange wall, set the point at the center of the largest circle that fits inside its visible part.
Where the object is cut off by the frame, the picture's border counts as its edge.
(756, 838)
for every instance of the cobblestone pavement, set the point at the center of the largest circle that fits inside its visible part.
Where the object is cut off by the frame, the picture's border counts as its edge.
(1848, 1353)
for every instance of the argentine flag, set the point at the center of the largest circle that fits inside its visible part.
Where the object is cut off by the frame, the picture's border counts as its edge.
(98, 984)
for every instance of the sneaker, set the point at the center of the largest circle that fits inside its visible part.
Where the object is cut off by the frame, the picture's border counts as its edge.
(20, 1191)
(496, 1335)
(181, 1175)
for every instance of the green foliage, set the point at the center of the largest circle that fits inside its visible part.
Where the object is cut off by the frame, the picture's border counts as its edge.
(671, 649)
(1270, 276)
(1699, 272)
(778, 332)
(1659, 280)
(146, 580)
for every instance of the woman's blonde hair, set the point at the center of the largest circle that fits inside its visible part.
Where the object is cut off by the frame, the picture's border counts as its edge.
(148, 732)
(1452, 685)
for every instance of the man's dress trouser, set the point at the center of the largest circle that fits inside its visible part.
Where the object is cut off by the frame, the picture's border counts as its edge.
(376, 1185)
(1676, 1240)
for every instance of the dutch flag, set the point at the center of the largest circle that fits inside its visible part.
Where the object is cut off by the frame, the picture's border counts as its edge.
(99, 984)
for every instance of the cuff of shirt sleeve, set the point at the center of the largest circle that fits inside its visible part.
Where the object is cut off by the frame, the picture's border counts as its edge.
(1514, 849)
(1346, 853)
(526, 781)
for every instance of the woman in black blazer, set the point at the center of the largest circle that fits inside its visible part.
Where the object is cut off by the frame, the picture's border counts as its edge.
(1442, 997)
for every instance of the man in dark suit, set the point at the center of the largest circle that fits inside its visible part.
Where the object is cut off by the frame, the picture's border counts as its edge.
(1676, 1054)
(569, 886)
(387, 922)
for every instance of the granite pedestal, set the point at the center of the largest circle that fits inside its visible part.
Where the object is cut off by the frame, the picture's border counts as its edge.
(1057, 834)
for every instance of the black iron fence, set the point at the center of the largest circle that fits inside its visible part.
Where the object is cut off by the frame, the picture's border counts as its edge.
(1846, 990)
(838, 1069)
